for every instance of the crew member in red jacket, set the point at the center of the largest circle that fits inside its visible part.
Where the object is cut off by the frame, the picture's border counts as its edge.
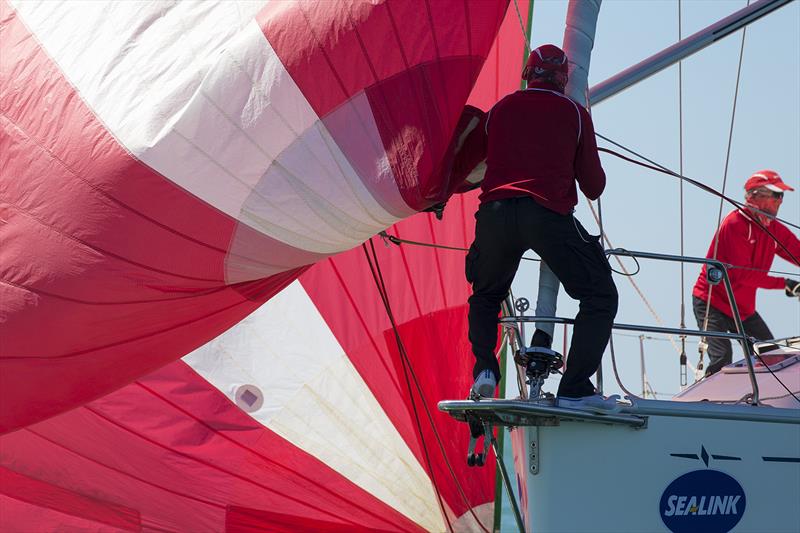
(541, 145)
(745, 245)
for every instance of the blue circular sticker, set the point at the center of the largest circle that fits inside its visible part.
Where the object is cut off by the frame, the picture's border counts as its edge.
(702, 500)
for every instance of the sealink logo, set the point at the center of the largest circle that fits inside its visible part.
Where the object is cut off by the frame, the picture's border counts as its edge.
(703, 500)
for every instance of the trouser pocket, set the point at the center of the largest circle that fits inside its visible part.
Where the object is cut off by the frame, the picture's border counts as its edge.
(590, 256)
(592, 246)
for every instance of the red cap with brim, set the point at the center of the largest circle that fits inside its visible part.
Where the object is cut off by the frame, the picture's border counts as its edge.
(768, 179)
(547, 57)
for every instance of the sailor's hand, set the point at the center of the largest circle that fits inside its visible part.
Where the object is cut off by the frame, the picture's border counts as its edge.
(792, 288)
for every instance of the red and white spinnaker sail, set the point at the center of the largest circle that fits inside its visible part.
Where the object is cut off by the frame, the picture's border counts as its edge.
(169, 169)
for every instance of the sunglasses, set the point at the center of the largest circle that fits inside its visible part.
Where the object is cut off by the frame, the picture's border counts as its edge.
(767, 192)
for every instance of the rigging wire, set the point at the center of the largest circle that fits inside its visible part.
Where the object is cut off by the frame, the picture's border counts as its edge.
(758, 355)
(408, 369)
(702, 347)
(646, 337)
(625, 272)
(738, 267)
(680, 194)
(398, 241)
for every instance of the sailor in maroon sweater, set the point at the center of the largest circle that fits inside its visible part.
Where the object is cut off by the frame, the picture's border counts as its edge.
(541, 148)
(743, 243)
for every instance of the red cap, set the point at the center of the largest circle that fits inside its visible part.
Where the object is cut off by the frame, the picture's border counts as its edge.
(766, 178)
(547, 57)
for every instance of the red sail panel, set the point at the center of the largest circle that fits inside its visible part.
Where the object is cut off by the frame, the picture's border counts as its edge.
(107, 270)
(428, 294)
(174, 450)
(126, 269)
(171, 447)
(415, 77)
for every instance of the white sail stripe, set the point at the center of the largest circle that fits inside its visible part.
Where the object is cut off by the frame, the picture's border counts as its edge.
(311, 236)
(368, 203)
(314, 398)
(146, 97)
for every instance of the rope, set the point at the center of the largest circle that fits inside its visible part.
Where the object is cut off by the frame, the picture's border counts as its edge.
(661, 168)
(664, 170)
(398, 340)
(599, 220)
(407, 369)
(644, 299)
(782, 396)
(398, 241)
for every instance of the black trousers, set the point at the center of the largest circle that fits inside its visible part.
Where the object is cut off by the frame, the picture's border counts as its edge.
(720, 352)
(504, 230)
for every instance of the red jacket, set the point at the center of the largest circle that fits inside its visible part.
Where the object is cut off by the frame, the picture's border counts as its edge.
(540, 143)
(743, 243)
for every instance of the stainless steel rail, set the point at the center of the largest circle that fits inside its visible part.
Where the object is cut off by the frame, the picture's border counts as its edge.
(513, 320)
(626, 327)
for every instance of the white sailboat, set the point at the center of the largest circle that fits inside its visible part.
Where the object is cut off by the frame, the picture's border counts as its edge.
(171, 169)
(722, 455)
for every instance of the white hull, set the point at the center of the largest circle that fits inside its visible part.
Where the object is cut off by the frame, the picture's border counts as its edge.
(600, 477)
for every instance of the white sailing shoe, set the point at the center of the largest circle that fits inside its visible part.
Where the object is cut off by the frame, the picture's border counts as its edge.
(595, 402)
(485, 384)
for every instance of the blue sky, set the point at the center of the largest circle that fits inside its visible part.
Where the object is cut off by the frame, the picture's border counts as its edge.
(640, 207)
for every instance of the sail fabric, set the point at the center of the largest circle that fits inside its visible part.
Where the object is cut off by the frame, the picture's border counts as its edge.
(306, 416)
(182, 458)
(169, 166)
(329, 424)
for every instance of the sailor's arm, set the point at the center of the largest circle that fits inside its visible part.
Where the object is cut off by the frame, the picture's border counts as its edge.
(588, 170)
(791, 254)
(788, 239)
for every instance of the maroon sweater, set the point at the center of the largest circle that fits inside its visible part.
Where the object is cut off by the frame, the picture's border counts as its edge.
(540, 144)
(742, 243)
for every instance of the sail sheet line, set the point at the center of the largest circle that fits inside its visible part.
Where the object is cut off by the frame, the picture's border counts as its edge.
(701, 186)
(398, 241)
(407, 368)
